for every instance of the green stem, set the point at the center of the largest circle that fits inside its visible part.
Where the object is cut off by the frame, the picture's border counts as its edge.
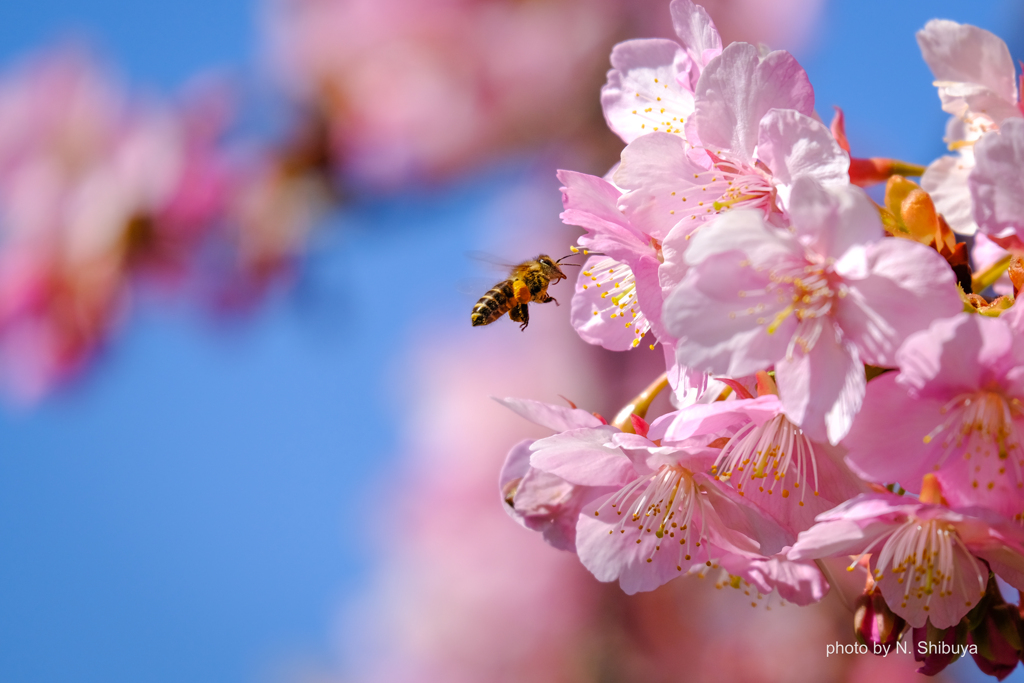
(986, 278)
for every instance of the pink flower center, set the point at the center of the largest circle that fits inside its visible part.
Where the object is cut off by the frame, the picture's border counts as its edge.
(619, 283)
(806, 290)
(661, 508)
(766, 454)
(921, 554)
(727, 185)
(981, 426)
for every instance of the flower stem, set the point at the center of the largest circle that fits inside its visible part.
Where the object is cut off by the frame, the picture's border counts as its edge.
(639, 405)
(986, 278)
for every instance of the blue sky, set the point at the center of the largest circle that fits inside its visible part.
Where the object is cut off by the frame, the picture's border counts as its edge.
(186, 512)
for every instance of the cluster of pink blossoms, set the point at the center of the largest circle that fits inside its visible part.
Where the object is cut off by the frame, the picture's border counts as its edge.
(101, 190)
(842, 386)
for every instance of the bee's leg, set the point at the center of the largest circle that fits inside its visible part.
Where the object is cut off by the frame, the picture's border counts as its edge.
(521, 314)
(548, 298)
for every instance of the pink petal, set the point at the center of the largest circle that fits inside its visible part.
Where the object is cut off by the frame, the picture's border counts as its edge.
(645, 456)
(743, 231)
(984, 254)
(839, 537)
(906, 286)
(517, 464)
(711, 418)
(643, 93)
(997, 183)
(954, 356)
(794, 145)
(999, 542)
(718, 330)
(689, 386)
(549, 504)
(740, 528)
(961, 53)
(886, 442)
(737, 89)
(611, 556)
(980, 473)
(673, 254)
(696, 31)
(832, 221)
(658, 177)
(581, 456)
(800, 583)
(945, 180)
(822, 389)
(592, 203)
(555, 418)
(797, 511)
(1007, 563)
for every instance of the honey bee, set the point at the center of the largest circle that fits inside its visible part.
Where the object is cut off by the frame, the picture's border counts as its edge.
(528, 282)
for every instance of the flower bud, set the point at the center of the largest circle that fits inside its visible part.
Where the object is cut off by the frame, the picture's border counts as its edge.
(874, 623)
(998, 640)
(950, 641)
(995, 628)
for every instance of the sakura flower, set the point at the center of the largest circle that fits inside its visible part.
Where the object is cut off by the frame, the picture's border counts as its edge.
(768, 460)
(667, 504)
(618, 296)
(926, 558)
(652, 81)
(658, 496)
(953, 409)
(817, 302)
(750, 137)
(977, 84)
(540, 500)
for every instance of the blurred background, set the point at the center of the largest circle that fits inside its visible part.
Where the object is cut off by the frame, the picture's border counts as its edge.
(245, 433)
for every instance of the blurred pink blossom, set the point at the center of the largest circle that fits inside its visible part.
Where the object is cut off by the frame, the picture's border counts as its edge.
(94, 186)
(411, 90)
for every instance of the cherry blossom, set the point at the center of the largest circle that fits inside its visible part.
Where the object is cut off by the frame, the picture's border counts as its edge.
(660, 495)
(537, 499)
(652, 82)
(977, 84)
(768, 460)
(816, 302)
(618, 296)
(952, 409)
(750, 137)
(926, 558)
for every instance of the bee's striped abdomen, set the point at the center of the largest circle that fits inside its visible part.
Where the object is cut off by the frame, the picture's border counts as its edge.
(494, 304)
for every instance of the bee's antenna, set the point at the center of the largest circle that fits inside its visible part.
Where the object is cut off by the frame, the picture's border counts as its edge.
(578, 252)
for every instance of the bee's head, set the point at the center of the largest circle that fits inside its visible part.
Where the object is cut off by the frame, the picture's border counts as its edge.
(550, 267)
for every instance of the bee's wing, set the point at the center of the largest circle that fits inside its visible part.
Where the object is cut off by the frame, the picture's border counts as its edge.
(493, 263)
